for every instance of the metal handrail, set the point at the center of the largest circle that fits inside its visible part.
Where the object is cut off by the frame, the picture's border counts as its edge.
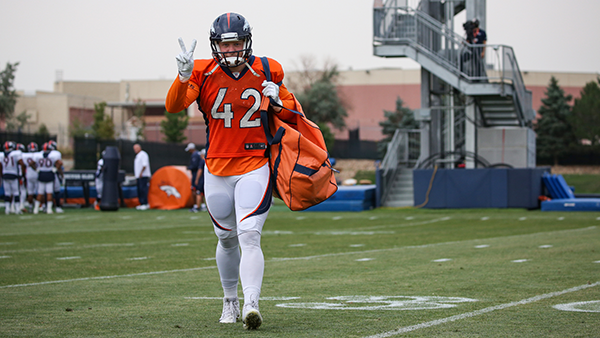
(401, 25)
(398, 152)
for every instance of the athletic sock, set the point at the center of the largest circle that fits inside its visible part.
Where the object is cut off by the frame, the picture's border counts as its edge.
(228, 262)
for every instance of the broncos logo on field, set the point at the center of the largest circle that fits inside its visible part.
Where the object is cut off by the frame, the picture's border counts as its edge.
(170, 191)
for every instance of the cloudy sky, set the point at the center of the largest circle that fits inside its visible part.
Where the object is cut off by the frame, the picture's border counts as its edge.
(112, 40)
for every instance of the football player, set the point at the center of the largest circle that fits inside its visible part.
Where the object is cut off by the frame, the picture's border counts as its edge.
(58, 177)
(23, 178)
(11, 168)
(47, 161)
(99, 180)
(228, 89)
(31, 174)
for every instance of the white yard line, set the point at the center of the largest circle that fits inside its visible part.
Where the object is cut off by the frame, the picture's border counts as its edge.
(290, 259)
(278, 259)
(107, 277)
(480, 312)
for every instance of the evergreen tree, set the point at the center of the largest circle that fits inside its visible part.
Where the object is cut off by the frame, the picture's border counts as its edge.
(174, 126)
(8, 95)
(43, 132)
(585, 117)
(103, 127)
(401, 118)
(554, 133)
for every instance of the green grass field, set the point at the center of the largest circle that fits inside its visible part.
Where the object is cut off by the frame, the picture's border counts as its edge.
(381, 273)
(584, 183)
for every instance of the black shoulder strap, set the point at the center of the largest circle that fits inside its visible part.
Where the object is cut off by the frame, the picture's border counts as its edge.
(266, 68)
(264, 118)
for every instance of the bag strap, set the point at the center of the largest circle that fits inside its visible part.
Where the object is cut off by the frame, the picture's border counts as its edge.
(264, 106)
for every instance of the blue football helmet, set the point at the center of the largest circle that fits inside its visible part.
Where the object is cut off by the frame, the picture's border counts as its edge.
(9, 146)
(231, 27)
(32, 147)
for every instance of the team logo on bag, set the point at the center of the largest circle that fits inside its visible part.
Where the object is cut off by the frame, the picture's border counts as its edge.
(170, 191)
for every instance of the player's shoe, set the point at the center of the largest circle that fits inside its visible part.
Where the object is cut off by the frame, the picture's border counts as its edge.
(231, 311)
(59, 210)
(49, 211)
(252, 318)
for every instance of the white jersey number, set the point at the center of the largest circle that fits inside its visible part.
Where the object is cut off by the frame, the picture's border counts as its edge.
(227, 114)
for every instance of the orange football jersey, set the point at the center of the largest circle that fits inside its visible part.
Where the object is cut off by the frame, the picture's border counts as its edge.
(236, 139)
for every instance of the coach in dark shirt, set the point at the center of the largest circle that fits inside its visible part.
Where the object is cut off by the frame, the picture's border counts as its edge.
(196, 166)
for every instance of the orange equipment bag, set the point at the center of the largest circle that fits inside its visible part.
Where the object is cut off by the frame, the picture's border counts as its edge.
(301, 172)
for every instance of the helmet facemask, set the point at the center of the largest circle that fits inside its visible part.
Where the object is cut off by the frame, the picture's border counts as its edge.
(232, 59)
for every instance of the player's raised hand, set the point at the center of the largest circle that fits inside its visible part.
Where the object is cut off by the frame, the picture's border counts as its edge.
(185, 59)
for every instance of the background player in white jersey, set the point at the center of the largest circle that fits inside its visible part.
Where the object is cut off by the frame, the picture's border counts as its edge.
(31, 174)
(47, 160)
(9, 169)
(99, 178)
(58, 177)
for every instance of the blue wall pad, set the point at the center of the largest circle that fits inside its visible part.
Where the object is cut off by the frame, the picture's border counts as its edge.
(129, 192)
(349, 198)
(479, 188)
(572, 204)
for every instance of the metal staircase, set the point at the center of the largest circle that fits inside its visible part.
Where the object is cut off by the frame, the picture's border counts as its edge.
(396, 169)
(499, 91)
(401, 191)
(494, 83)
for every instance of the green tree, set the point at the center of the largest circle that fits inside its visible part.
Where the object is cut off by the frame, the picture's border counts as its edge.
(103, 127)
(321, 102)
(138, 112)
(18, 122)
(8, 95)
(401, 118)
(174, 126)
(317, 93)
(43, 131)
(77, 129)
(585, 116)
(554, 133)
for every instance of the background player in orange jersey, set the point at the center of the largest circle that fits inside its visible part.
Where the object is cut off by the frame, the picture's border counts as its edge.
(228, 89)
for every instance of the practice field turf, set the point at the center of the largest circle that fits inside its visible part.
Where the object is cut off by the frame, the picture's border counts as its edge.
(381, 273)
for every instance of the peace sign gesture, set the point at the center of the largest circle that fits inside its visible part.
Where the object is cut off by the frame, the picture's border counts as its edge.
(185, 59)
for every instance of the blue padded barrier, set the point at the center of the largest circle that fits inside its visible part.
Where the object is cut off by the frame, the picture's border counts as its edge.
(349, 198)
(563, 198)
(572, 204)
(564, 186)
(479, 188)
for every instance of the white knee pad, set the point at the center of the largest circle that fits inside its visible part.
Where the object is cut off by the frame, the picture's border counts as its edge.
(219, 205)
(250, 239)
(252, 194)
(229, 243)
